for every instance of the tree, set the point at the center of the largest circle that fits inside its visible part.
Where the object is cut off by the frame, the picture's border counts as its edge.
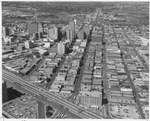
(46, 53)
(48, 79)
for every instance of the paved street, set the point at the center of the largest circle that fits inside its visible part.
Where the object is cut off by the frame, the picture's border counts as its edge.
(131, 82)
(142, 60)
(105, 81)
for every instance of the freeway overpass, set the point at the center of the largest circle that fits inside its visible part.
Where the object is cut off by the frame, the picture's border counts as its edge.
(49, 96)
(6, 114)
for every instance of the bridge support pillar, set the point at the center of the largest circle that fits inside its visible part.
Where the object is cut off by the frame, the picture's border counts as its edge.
(41, 110)
(4, 92)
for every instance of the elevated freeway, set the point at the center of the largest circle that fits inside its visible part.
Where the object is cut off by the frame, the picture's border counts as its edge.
(8, 76)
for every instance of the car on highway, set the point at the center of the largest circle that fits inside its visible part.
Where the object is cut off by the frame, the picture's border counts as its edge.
(43, 90)
(35, 95)
(43, 96)
(74, 98)
(62, 115)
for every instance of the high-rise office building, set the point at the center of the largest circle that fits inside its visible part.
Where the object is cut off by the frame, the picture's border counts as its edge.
(32, 28)
(40, 35)
(53, 33)
(69, 34)
(4, 92)
(40, 28)
(35, 27)
(72, 27)
(75, 21)
(87, 31)
(41, 110)
(37, 35)
(5, 31)
(61, 48)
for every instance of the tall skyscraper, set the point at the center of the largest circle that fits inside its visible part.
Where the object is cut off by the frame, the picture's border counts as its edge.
(5, 31)
(72, 27)
(61, 48)
(35, 27)
(32, 28)
(86, 30)
(69, 34)
(53, 33)
(40, 35)
(56, 33)
(4, 92)
(40, 28)
(75, 21)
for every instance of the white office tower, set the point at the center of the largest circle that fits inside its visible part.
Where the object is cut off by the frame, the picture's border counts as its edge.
(75, 21)
(61, 48)
(53, 33)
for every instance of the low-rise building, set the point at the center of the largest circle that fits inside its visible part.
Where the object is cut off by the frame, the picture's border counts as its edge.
(61, 76)
(121, 99)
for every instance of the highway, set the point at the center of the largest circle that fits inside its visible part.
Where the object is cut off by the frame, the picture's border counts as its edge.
(33, 89)
(62, 112)
(131, 82)
(72, 107)
(54, 116)
(38, 97)
(7, 114)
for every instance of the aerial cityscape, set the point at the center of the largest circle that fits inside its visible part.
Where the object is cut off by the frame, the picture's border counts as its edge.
(75, 60)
